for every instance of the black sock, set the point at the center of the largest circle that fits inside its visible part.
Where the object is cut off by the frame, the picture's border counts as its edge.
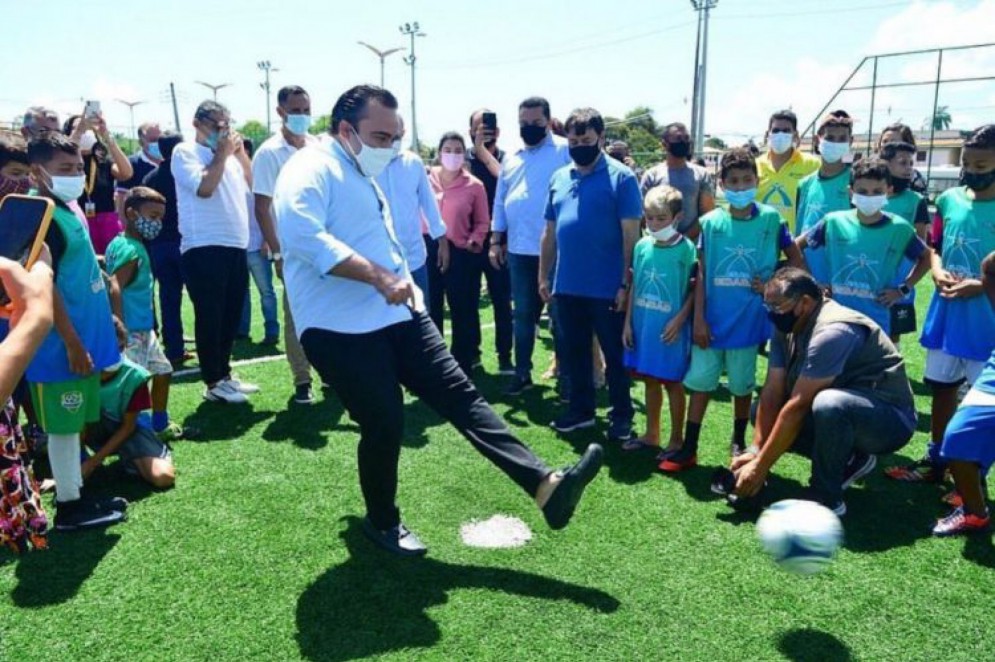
(739, 432)
(691, 433)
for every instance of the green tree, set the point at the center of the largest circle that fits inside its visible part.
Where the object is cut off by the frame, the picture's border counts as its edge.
(321, 125)
(255, 131)
(941, 119)
(640, 131)
(715, 143)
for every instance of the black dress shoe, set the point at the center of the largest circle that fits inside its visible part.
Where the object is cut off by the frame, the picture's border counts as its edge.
(397, 540)
(562, 502)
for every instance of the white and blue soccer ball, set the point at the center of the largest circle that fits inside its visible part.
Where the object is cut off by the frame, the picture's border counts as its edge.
(801, 536)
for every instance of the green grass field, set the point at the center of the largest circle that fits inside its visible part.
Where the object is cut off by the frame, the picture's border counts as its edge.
(257, 555)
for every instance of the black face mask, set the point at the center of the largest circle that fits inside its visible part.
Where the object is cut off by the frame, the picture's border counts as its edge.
(977, 181)
(584, 155)
(783, 322)
(900, 184)
(681, 149)
(532, 135)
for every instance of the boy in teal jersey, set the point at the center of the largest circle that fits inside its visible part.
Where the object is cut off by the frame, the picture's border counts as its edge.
(738, 251)
(828, 189)
(864, 247)
(65, 371)
(959, 330)
(130, 272)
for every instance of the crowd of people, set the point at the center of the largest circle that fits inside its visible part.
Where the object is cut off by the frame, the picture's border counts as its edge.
(813, 260)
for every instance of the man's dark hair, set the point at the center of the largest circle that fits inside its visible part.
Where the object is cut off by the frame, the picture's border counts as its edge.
(208, 108)
(904, 130)
(794, 283)
(43, 148)
(981, 138)
(874, 168)
(249, 147)
(737, 158)
(168, 140)
(13, 149)
(582, 119)
(838, 119)
(143, 129)
(536, 102)
(891, 150)
(351, 106)
(289, 91)
(451, 135)
(784, 115)
(479, 111)
(67, 126)
(680, 126)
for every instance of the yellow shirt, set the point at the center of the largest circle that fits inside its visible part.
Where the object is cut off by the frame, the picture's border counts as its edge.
(779, 188)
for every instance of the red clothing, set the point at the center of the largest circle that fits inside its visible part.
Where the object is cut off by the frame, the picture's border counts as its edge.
(463, 205)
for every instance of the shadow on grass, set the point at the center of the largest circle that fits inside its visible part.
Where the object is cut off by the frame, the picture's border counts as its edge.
(246, 349)
(54, 576)
(306, 426)
(978, 549)
(218, 421)
(807, 644)
(375, 603)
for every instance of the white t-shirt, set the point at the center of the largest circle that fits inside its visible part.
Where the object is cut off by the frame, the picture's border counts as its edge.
(219, 220)
(269, 160)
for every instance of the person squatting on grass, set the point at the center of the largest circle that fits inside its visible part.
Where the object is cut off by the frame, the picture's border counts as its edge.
(363, 325)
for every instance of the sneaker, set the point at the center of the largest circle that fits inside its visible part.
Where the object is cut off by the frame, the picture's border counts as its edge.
(396, 540)
(506, 367)
(243, 387)
(303, 395)
(270, 340)
(736, 448)
(959, 523)
(571, 422)
(225, 391)
(859, 465)
(838, 508)
(83, 514)
(619, 430)
(518, 386)
(117, 504)
(920, 471)
(686, 458)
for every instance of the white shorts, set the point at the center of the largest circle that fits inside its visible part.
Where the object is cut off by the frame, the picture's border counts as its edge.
(942, 368)
(144, 349)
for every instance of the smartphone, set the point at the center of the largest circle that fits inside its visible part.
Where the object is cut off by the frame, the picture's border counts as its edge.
(92, 109)
(24, 222)
(489, 121)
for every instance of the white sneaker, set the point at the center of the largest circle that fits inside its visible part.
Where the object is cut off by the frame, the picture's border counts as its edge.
(243, 387)
(225, 391)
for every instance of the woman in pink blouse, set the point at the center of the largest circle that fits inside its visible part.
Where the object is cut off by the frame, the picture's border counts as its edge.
(463, 203)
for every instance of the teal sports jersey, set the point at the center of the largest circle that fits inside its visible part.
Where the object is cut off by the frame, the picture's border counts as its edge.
(964, 328)
(818, 196)
(910, 206)
(737, 251)
(661, 276)
(137, 295)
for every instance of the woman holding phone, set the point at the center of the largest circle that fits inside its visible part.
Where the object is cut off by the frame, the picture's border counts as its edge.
(104, 166)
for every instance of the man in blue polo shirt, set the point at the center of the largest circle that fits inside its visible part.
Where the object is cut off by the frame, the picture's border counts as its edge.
(592, 225)
(147, 158)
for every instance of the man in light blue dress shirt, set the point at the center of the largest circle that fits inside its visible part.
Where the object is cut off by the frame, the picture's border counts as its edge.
(363, 325)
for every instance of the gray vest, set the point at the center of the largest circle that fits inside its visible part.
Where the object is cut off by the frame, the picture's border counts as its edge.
(875, 368)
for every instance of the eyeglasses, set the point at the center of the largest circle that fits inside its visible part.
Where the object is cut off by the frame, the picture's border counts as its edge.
(781, 130)
(780, 306)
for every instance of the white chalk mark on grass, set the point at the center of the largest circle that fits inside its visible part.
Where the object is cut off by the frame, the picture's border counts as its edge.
(498, 532)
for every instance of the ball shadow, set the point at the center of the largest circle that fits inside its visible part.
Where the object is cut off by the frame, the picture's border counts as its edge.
(810, 645)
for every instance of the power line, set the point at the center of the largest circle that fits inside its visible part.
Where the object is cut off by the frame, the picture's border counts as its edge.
(834, 10)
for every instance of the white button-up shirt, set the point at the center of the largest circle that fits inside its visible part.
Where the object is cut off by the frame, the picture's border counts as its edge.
(326, 212)
(411, 199)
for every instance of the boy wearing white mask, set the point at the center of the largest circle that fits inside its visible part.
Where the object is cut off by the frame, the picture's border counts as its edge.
(65, 372)
(783, 166)
(864, 247)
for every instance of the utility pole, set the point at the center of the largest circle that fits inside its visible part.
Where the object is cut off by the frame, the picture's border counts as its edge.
(176, 108)
(213, 88)
(266, 67)
(131, 108)
(704, 8)
(382, 55)
(412, 30)
(697, 81)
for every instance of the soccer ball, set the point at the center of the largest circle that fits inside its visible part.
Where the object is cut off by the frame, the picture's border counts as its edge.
(801, 536)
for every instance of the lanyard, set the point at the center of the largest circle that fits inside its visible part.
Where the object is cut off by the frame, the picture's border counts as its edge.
(91, 181)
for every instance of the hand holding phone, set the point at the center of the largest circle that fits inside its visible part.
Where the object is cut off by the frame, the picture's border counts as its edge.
(91, 110)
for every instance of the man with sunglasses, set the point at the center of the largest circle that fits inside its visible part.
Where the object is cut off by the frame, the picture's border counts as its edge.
(836, 391)
(783, 166)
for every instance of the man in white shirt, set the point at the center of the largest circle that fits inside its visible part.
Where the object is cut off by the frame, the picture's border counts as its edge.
(364, 328)
(294, 108)
(213, 176)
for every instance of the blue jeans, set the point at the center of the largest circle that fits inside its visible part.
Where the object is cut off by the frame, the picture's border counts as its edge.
(165, 256)
(524, 272)
(579, 318)
(261, 271)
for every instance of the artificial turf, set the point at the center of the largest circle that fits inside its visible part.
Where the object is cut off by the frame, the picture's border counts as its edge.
(257, 553)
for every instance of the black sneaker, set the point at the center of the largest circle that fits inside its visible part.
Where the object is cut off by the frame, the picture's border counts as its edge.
(117, 504)
(619, 430)
(736, 448)
(84, 514)
(506, 367)
(859, 465)
(566, 495)
(303, 395)
(519, 385)
(397, 540)
(571, 422)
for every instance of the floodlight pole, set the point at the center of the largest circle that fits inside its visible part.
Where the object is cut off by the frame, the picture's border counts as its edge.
(704, 8)
(412, 30)
(932, 117)
(266, 67)
(382, 55)
(131, 109)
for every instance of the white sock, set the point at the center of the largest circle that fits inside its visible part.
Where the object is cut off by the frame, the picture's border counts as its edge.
(63, 455)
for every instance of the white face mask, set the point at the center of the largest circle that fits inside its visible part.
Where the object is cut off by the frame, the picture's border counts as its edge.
(868, 205)
(833, 152)
(781, 142)
(664, 234)
(66, 187)
(87, 140)
(372, 160)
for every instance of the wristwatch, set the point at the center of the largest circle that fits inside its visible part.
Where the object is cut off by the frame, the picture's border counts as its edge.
(275, 257)
(904, 289)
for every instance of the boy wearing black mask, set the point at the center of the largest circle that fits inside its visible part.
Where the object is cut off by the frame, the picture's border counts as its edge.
(693, 181)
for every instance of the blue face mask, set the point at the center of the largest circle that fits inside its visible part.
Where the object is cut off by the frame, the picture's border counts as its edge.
(154, 151)
(298, 124)
(741, 199)
(212, 140)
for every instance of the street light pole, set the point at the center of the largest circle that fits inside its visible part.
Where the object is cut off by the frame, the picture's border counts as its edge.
(412, 30)
(131, 109)
(266, 67)
(382, 55)
(213, 88)
(703, 7)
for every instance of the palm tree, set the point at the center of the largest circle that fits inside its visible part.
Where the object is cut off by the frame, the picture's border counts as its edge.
(940, 120)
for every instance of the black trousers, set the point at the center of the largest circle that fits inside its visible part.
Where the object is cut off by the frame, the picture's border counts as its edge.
(499, 290)
(436, 303)
(367, 371)
(463, 293)
(216, 278)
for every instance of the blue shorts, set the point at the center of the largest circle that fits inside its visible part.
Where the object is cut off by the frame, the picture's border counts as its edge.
(143, 442)
(970, 437)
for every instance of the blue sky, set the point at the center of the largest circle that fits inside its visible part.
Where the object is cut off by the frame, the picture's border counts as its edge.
(764, 54)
